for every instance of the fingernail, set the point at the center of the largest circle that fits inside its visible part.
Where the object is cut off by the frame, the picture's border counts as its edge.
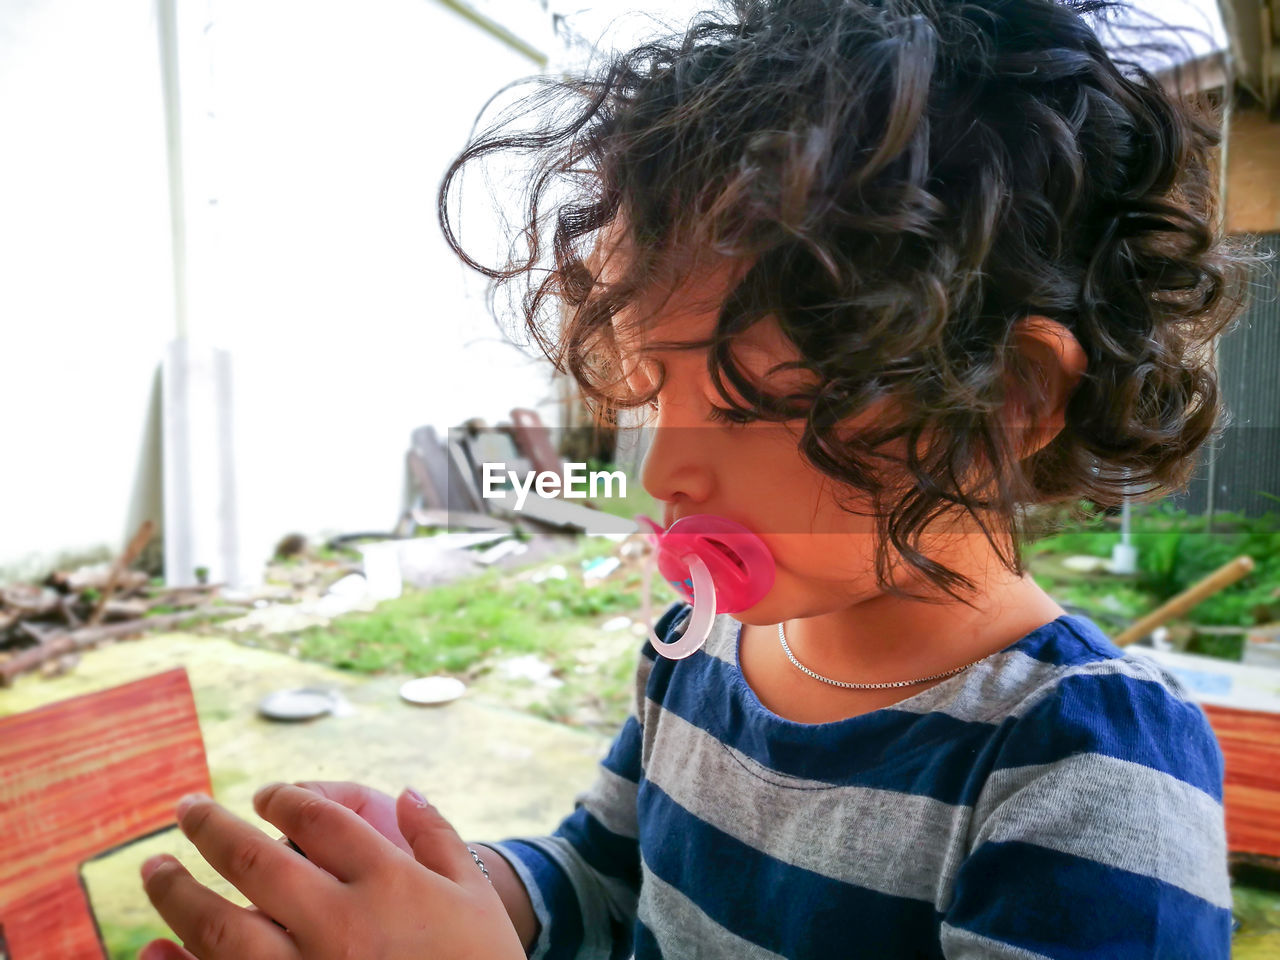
(416, 797)
(189, 801)
(152, 864)
(267, 786)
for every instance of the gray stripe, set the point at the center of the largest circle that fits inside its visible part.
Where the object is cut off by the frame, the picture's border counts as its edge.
(600, 897)
(611, 799)
(1007, 685)
(961, 944)
(895, 843)
(539, 905)
(644, 667)
(721, 642)
(684, 931)
(1115, 812)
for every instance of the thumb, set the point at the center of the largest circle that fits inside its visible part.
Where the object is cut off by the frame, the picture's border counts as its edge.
(435, 844)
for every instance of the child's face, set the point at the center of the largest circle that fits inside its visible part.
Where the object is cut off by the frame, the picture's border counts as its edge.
(753, 473)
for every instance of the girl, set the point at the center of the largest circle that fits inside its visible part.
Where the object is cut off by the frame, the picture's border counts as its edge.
(885, 272)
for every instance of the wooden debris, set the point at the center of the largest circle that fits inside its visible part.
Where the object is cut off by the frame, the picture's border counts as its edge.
(130, 554)
(43, 626)
(69, 641)
(95, 578)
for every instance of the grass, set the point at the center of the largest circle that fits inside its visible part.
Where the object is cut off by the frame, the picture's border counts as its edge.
(1175, 551)
(452, 627)
(124, 942)
(466, 628)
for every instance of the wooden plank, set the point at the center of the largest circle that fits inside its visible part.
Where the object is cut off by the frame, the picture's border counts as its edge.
(1250, 741)
(534, 440)
(78, 778)
(433, 460)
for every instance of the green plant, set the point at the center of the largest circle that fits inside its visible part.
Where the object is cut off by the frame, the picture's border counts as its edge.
(455, 628)
(1175, 550)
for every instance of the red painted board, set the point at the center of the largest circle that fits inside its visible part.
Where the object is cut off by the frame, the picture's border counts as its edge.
(78, 778)
(1250, 741)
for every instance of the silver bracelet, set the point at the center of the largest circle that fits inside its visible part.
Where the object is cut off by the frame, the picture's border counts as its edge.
(480, 863)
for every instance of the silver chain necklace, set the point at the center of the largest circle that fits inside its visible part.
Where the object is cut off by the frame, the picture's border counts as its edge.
(782, 635)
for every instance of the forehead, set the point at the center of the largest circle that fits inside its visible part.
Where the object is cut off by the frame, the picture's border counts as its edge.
(660, 320)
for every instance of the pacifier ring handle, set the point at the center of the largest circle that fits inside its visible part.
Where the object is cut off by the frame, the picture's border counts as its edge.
(704, 611)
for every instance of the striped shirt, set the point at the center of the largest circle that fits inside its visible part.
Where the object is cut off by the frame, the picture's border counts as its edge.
(1059, 799)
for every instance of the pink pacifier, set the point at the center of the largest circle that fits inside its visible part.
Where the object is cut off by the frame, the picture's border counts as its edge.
(717, 564)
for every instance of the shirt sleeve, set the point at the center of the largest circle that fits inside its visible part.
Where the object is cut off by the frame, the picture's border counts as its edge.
(1099, 831)
(584, 879)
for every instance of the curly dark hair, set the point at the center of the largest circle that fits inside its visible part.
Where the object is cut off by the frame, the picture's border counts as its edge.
(906, 179)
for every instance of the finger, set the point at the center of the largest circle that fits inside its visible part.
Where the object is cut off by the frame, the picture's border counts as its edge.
(272, 876)
(208, 925)
(436, 845)
(353, 796)
(164, 950)
(328, 834)
(372, 806)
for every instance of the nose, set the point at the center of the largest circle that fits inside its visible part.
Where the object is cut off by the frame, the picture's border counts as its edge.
(678, 466)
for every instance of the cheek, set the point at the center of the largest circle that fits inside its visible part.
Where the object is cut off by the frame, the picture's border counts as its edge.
(824, 557)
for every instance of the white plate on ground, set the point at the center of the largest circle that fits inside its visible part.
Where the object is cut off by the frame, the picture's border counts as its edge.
(432, 691)
(302, 704)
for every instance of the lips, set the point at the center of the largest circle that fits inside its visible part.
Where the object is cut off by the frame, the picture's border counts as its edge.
(727, 551)
(669, 517)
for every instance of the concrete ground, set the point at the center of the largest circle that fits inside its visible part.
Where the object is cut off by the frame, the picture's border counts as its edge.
(493, 771)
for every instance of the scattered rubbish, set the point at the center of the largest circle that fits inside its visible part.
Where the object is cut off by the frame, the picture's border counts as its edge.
(432, 691)
(529, 668)
(562, 514)
(1087, 564)
(616, 623)
(599, 568)
(554, 572)
(1160, 639)
(42, 626)
(633, 548)
(335, 605)
(291, 545)
(428, 561)
(305, 703)
(495, 553)
(278, 618)
(382, 569)
(1124, 558)
(352, 585)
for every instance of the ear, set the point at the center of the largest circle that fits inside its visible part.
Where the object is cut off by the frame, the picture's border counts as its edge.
(1055, 362)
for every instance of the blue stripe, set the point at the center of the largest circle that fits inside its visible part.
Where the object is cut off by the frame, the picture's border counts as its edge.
(1068, 641)
(942, 757)
(1118, 716)
(781, 907)
(623, 757)
(932, 755)
(558, 895)
(646, 946)
(1071, 908)
(609, 853)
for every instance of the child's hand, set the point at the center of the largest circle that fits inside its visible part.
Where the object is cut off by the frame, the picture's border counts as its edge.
(374, 807)
(354, 894)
